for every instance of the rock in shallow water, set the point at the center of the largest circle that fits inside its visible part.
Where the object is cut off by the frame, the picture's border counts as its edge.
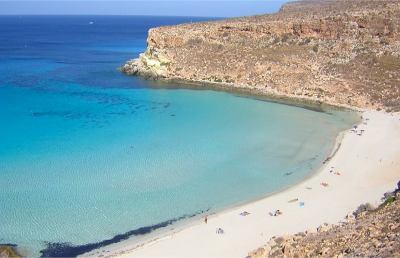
(8, 251)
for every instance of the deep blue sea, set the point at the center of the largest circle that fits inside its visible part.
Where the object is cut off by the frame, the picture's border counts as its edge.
(89, 156)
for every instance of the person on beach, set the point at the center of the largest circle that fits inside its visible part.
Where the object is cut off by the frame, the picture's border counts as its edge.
(245, 213)
(324, 184)
(276, 213)
(219, 231)
(205, 219)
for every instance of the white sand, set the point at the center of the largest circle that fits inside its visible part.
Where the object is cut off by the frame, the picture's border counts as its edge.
(369, 166)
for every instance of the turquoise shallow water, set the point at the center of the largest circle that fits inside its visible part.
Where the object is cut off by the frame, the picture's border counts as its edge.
(87, 153)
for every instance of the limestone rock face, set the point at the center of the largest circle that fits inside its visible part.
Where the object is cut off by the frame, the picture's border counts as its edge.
(149, 64)
(337, 51)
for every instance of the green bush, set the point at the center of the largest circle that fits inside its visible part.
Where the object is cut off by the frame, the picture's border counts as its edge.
(389, 200)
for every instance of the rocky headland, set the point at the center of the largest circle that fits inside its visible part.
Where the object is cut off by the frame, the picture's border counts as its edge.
(341, 52)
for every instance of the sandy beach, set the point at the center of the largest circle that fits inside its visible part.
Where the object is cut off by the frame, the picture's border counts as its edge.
(365, 166)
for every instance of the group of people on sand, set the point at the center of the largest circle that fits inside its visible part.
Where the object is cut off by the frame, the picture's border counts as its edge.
(357, 130)
(218, 230)
(244, 213)
(332, 170)
(276, 213)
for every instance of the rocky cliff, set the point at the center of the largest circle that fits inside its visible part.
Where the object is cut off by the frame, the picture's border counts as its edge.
(343, 52)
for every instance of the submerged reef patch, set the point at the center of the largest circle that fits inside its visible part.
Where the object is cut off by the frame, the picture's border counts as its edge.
(70, 250)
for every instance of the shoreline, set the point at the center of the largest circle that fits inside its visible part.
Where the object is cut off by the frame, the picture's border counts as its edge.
(238, 91)
(183, 240)
(264, 94)
(138, 241)
(163, 233)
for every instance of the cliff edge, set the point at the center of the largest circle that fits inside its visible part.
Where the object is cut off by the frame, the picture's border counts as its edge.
(342, 52)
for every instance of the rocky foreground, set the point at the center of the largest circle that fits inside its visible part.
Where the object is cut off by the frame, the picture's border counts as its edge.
(7, 251)
(370, 233)
(342, 52)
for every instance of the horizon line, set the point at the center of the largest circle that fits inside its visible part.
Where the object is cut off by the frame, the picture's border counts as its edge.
(139, 15)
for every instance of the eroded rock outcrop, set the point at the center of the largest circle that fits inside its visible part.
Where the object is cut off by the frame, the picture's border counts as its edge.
(8, 251)
(337, 51)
